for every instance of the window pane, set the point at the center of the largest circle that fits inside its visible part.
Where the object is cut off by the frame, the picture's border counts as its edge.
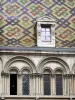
(59, 87)
(47, 33)
(43, 29)
(47, 38)
(43, 38)
(46, 84)
(43, 34)
(25, 81)
(47, 29)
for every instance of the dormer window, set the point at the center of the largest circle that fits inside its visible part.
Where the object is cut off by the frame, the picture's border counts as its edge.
(46, 31)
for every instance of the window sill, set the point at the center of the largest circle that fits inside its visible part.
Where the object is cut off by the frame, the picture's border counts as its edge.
(61, 96)
(41, 97)
(19, 96)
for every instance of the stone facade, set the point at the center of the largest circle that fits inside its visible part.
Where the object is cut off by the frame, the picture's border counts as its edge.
(36, 62)
(19, 51)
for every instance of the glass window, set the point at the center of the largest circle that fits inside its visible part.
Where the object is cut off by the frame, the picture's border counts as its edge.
(46, 33)
(25, 86)
(59, 86)
(47, 84)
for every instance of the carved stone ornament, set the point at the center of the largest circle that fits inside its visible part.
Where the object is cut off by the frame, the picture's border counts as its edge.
(4, 73)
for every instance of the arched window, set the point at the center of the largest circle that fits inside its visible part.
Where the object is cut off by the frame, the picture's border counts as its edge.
(25, 82)
(13, 82)
(47, 82)
(59, 82)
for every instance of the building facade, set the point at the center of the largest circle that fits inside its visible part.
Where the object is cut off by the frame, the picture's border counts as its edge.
(37, 75)
(37, 50)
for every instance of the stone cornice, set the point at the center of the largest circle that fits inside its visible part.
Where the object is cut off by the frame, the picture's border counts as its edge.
(47, 49)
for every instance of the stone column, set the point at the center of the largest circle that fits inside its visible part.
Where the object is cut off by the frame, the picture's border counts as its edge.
(19, 84)
(64, 85)
(54, 85)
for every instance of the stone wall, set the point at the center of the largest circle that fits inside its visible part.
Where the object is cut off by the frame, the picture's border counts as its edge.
(36, 63)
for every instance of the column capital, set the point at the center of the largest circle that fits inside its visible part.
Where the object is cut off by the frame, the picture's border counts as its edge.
(3, 73)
